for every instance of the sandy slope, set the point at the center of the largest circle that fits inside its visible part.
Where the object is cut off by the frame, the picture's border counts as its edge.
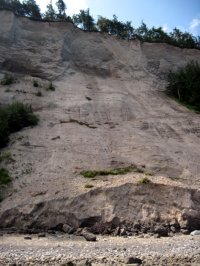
(108, 110)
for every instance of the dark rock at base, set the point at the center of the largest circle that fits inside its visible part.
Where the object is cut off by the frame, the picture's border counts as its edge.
(171, 234)
(195, 233)
(184, 231)
(42, 235)
(68, 229)
(123, 232)
(52, 232)
(161, 230)
(183, 224)
(84, 263)
(156, 236)
(173, 228)
(137, 226)
(69, 263)
(27, 237)
(117, 231)
(88, 236)
(133, 260)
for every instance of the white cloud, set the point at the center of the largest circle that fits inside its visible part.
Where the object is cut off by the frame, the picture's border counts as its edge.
(43, 4)
(165, 28)
(74, 6)
(195, 25)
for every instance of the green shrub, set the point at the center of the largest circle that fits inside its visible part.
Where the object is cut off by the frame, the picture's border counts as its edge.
(89, 186)
(19, 116)
(51, 87)
(35, 83)
(13, 118)
(7, 157)
(115, 171)
(4, 177)
(4, 129)
(39, 94)
(184, 85)
(7, 80)
(144, 180)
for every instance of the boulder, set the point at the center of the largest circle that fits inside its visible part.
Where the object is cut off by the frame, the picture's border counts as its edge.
(68, 229)
(195, 233)
(161, 230)
(88, 236)
(133, 260)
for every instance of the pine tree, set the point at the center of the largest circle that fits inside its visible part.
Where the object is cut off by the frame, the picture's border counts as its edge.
(50, 14)
(32, 10)
(61, 10)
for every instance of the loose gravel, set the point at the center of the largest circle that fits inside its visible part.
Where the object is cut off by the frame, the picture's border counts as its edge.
(70, 250)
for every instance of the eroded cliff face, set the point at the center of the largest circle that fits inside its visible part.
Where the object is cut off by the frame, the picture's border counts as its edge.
(108, 111)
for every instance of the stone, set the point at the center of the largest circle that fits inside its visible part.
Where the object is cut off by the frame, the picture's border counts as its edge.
(41, 235)
(27, 237)
(173, 229)
(195, 233)
(88, 236)
(133, 260)
(184, 231)
(70, 263)
(123, 232)
(68, 229)
(161, 230)
(117, 231)
(137, 226)
(183, 224)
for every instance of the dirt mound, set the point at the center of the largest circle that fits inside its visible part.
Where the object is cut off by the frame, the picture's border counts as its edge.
(108, 111)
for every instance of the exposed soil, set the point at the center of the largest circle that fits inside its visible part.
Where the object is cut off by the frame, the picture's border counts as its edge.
(108, 111)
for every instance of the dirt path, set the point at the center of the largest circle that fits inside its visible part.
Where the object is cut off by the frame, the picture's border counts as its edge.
(62, 249)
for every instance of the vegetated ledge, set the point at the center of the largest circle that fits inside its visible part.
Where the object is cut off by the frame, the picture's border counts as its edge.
(136, 208)
(114, 171)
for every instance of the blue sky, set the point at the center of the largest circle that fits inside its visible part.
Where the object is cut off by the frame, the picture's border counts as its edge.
(184, 14)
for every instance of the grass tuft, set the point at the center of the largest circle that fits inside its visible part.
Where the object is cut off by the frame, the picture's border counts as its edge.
(6, 156)
(35, 83)
(7, 80)
(13, 118)
(144, 180)
(38, 94)
(114, 171)
(184, 86)
(5, 178)
(89, 186)
(51, 87)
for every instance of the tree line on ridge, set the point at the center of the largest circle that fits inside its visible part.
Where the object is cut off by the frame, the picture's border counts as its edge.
(85, 21)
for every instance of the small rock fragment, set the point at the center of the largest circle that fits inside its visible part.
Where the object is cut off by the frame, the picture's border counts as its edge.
(122, 232)
(68, 229)
(133, 260)
(88, 236)
(42, 235)
(27, 237)
(195, 233)
(117, 231)
(161, 230)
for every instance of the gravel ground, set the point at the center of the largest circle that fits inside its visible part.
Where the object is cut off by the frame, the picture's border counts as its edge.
(63, 249)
